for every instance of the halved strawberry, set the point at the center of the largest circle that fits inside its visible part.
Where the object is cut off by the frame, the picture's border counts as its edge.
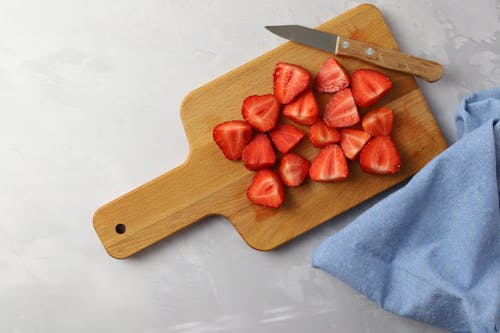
(293, 169)
(322, 135)
(303, 109)
(378, 121)
(332, 77)
(352, 141)
(259, 153)
(232, 137)
(266, 189)
(329, 165)
(261, 111)
(341, 111)
(289, 81)
(286, 137)
(368, 86)
(380, 156)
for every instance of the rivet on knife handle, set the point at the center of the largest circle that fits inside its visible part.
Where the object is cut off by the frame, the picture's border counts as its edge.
(426, 69)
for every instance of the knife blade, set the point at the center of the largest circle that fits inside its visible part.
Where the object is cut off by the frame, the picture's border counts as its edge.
(428, 70)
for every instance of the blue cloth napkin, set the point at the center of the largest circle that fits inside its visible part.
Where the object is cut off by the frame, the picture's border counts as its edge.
(431, 250)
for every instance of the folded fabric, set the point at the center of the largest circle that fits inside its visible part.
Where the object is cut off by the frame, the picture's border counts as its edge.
(431, 250)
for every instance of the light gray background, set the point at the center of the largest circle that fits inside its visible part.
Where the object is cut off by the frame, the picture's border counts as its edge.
(89, 100)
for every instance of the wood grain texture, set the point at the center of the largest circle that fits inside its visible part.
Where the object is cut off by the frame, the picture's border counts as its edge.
(207, 183)
(428, 70)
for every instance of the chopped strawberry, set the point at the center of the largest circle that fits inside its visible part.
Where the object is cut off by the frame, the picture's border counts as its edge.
(380, 156)
(341, 111)
(293, 169)
(352, 141)
(261, 111)
(286, 137)
(259, 153)
(289, 81)
(322, 135)
(232, 137)
(332, 77)
(266, 189)
(378, 121)
(303, 109)
(368, 86)
(329, 165)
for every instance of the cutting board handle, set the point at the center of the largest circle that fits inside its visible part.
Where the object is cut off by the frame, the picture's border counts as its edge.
(153, 211)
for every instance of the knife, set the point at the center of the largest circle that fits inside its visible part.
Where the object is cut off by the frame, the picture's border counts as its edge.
(426, 69)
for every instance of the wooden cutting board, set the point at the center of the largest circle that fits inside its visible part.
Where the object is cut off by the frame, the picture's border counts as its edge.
(209, 184)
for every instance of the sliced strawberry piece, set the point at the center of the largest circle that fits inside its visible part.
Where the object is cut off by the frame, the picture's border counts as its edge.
(368, 86)
(329, 165)
(289, 81)
(286, 137)
(232, 137)
(341, 111)
(293, 169)
(380, 156)
(259, 153)
(352, 141)
(322, 135)
(266, 189)
(332, 77)
(261, 111)
(303, 109)
(378, 121)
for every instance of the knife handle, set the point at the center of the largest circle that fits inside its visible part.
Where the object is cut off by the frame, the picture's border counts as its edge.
(426, 69)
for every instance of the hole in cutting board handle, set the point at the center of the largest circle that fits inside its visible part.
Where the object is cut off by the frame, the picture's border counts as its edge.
(120, 228)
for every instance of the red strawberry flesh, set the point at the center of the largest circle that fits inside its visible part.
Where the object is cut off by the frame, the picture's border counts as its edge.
(332, 77)
(380, 156)
(266, 189)
(261, 111)
(285, 137)
(232, 137)
(289, 81)
(368, 86)
(352, 141)
(259, 153)
(341, 111)
(293, 169)
(329, 165)
(322, 135)
(378, 121)
(303, 110)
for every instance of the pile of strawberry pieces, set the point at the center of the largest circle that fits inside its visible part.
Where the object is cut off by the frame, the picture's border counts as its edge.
(336, 132)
